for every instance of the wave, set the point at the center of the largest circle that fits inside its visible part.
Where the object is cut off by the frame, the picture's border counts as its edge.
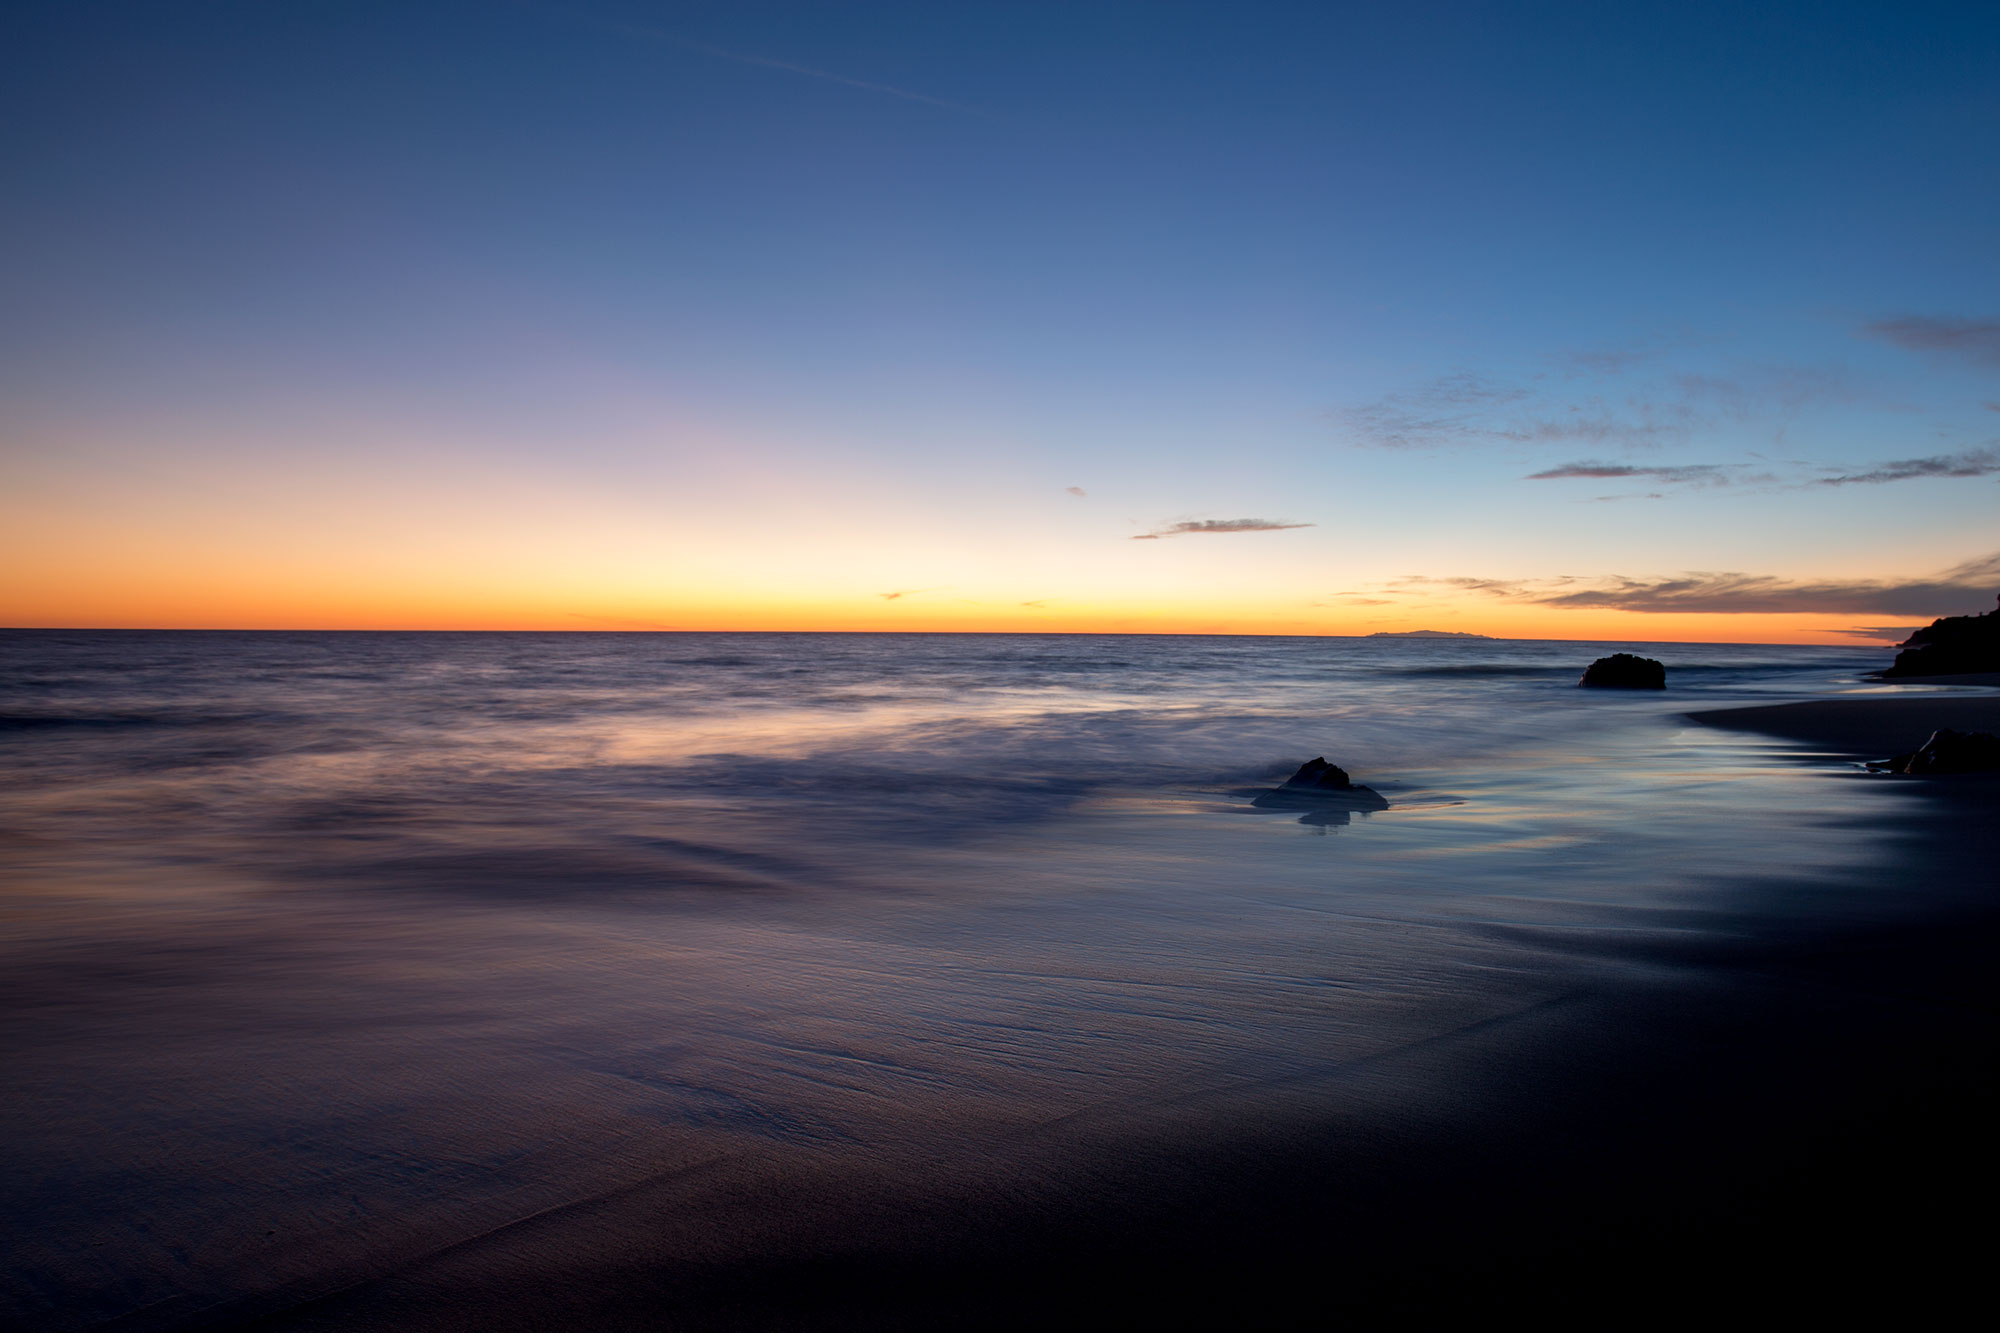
(43, 721)
(1479, 669)
(1518, 670)
(169, 718)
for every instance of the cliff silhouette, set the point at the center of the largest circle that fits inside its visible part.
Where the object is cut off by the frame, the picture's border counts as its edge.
(1951, 646)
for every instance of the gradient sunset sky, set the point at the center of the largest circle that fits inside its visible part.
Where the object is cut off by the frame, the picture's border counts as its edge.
(1570, 320)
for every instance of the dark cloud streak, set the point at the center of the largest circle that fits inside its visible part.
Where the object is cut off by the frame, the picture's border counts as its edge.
(1956, 591)
(1971, 463)
(1710, 473)
(1981, 462)
(1973, 340)
(1879, 633)
(1208, 525)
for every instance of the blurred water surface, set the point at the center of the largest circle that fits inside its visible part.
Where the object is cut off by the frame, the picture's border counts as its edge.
(323, 951)
(349, 749)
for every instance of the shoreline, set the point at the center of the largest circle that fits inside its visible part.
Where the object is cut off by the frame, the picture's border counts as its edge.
(1782, 1116)
(1870, 728)
(1768, 1089)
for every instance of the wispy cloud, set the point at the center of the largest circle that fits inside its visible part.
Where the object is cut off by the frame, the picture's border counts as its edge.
(1981, 462)
(908, 592)
(1592, 401)
(1974, 340)
(1420, 583)
(1606, 360)
(1966, 587)
(1077, 491)
(1879, 633)
(1751, 594)
(1614, 358)
(1452, 409)
(1971, 463)
(1714, 474)
(1195, 526)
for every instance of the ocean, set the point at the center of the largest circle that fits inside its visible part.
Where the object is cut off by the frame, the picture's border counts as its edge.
(661, 764)
(326, 954)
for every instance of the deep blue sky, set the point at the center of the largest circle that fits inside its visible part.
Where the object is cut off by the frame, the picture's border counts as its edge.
(652, 310)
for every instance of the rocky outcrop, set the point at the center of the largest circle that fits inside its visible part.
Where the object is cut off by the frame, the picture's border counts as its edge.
(1320, 786)
(1947, 751)
(1318, 775)
(1952, 646)
(1625, 671)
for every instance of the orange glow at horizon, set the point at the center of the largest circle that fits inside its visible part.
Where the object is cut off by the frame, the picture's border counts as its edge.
(353, 543)
(252, 603)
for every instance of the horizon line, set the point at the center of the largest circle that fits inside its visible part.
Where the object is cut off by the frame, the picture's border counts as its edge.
(995, 633)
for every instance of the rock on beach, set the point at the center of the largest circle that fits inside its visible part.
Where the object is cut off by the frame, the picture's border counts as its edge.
(1625, 671)
(1951, 646)
(1319, 786)
(1947, 751)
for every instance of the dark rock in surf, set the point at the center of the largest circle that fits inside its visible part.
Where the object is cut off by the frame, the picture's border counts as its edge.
(1625, 671)
(1320, 786)
(1947, 751)
(1319, 775)
(1951, 646)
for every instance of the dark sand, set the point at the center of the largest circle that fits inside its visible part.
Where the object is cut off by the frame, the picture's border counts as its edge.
(1793, 1123)
(1781, 1108)
(1875, 728)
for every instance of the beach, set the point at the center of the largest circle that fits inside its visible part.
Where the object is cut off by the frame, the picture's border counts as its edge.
(1874, 728)
(1795, 1123)
(1608, 1015)
(810, 668)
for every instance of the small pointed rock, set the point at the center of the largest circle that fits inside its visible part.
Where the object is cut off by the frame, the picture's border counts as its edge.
(1325, 791)
(1320, 776)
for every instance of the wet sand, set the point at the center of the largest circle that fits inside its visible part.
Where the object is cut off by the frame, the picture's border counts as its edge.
(1768, 1117)
(1775, 1101)
(1874, 728)
(1775, 1142)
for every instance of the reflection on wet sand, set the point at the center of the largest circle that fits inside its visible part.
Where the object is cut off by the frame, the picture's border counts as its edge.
(341, 1014)
(1323, 809)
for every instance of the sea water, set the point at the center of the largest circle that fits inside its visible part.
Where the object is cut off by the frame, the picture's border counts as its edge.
(655, 763)
(324, 949)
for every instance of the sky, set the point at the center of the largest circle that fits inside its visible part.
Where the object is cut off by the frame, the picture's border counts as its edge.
(1669, 321)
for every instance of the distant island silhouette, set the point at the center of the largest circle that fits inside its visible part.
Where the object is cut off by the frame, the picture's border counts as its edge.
(1425, 634)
